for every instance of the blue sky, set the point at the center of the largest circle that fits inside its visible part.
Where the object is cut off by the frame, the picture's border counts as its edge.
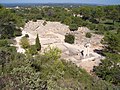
(63, 1)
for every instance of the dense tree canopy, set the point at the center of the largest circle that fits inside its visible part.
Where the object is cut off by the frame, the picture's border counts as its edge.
(112, 41)
(109, 69)
(9, 24)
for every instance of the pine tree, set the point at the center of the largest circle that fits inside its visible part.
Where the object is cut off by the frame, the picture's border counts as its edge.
(38, 45)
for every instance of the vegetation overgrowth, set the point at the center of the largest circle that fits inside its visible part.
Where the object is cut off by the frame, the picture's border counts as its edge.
(47, 71)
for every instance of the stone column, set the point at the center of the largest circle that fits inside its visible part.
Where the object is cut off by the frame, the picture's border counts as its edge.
(86, 50)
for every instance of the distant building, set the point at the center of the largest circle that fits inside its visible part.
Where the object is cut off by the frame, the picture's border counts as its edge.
(17, 7)
(77, 15)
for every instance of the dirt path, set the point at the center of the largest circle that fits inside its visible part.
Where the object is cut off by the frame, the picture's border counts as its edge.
(19, 48)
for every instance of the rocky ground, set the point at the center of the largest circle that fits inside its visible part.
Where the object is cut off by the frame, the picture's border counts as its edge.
(53, 34)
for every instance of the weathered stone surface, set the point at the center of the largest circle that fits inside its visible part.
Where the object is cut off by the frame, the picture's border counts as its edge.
(53, 34)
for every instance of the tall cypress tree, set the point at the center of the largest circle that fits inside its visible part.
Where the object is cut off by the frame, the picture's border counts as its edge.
(38, 45)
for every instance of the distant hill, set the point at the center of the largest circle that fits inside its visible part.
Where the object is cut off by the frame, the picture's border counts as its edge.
(48, 4)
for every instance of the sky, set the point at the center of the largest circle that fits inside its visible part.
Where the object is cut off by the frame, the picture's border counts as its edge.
(106, 2)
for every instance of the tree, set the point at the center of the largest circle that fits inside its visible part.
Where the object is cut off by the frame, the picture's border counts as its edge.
(67, 21)
(100, 28)
(9, 24)
(7, 30)
(109, 69)
(1, 6)
(38, 45)
(114, 15)
(85, 11)
(99, 13)
(112, 41)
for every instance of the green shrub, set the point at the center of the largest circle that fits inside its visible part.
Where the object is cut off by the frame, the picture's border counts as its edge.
(69, 38)
(94, 21)
(24, 43)
(91, 26)
(52, 53)
(26, 78)
(4, 43)
(73, 27)
(110, 27)
(67, 20)
(88, 35)
(101, 27)
(32, 50)
(118, 31)
(17, 32)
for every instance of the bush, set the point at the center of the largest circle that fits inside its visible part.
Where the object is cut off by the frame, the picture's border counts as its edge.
(17, 32)
(94, 21)
(69, 38)
(101, 27)
(73, 27)
(26, 35)
(24, 42)
(84, 23)
(34, 20)
(91, 26)
(110, 27)
(118, 31)
(32, 50)
(4, 43)
(67, 20)
(88, 35)
(44, 23)
(22, 77)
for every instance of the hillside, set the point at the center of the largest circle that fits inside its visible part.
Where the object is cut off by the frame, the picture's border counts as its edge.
(46, 48)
